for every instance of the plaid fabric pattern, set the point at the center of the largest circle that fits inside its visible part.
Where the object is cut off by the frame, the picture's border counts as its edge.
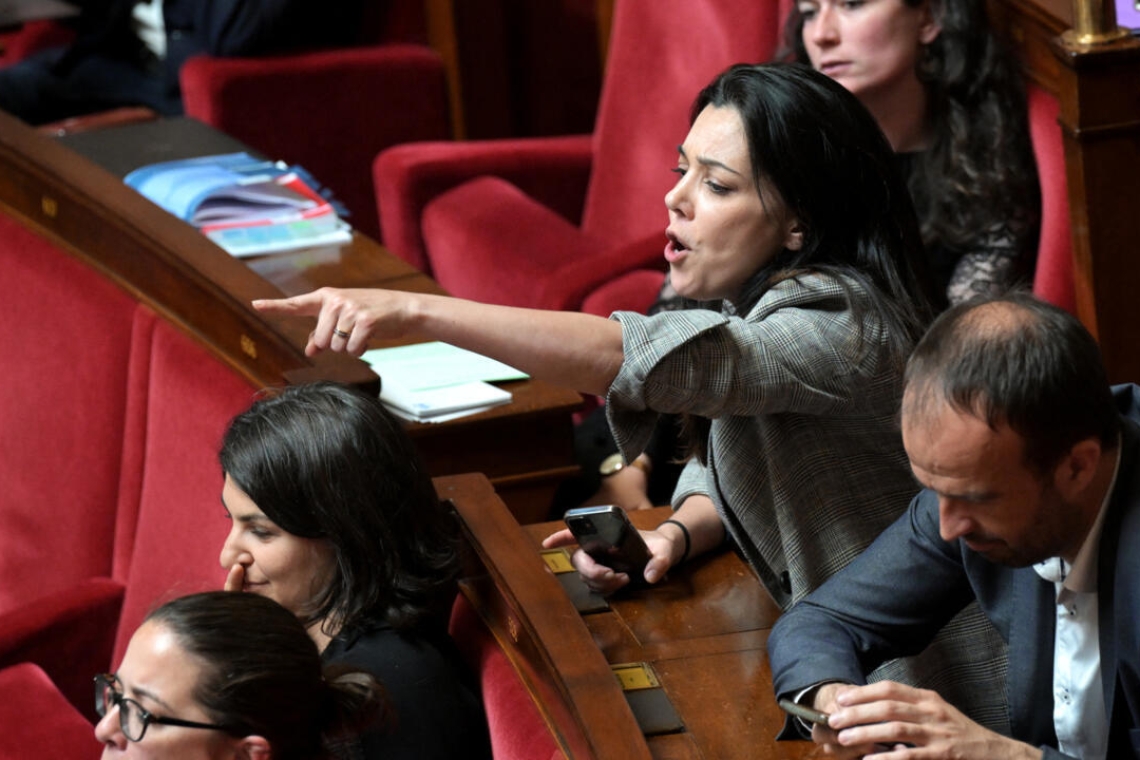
(805, 458)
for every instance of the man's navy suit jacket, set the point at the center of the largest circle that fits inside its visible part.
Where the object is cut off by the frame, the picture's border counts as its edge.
(892, 599)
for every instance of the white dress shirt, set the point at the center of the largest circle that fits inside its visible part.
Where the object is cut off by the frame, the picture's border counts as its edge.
(1079, 717)
(147, 21)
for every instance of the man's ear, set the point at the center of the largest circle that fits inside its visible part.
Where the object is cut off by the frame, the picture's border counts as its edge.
(931, 25)
(794, 238)
(253, 748)
(1078, 468)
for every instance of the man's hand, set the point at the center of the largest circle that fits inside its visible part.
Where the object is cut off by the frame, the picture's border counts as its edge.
(903, 722)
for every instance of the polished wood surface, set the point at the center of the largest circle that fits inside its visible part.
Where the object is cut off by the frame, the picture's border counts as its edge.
(525, 447)
(703, 630)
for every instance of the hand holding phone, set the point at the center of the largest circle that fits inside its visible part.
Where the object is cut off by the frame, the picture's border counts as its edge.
(606, 534)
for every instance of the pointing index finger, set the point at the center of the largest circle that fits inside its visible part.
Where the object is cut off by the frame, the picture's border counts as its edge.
(308, 305)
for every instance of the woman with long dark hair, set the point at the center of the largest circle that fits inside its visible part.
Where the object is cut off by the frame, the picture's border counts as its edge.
(788, 210)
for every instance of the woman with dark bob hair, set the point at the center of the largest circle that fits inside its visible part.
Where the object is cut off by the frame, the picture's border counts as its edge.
(789, 212)
(220, 675)
(335, 518)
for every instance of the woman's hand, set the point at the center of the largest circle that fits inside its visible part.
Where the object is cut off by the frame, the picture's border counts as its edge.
(663, 552)
(235, 578)
(346, 319)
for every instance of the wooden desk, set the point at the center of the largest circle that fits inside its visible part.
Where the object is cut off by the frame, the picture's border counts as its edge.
(526, 447)
(703, 630)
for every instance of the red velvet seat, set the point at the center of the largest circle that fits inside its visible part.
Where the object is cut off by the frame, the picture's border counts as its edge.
(38, 721)
(518, 731)
(181, 525)
(109, 481)
(1053, 279)
(62, 406)
(590, 203)
(17, 44)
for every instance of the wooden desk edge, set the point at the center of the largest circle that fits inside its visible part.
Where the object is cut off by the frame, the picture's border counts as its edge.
(542, 633)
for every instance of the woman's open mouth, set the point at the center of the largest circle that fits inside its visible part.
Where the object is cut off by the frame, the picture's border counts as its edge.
(675, 248)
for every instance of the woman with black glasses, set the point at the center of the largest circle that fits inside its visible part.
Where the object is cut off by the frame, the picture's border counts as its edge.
(220, 675)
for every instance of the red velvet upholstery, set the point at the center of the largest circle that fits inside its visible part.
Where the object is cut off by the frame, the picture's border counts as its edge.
(109, 481)
(38, 721)
(33, 37)
(69, 634)
(62, 403)
(634, 291)
(1053, 280)
(554, 171)
(656, 65)
(330, 111)
(518, 731)
(190, 398)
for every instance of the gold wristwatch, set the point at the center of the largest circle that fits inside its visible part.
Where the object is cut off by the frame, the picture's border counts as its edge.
(613, 464)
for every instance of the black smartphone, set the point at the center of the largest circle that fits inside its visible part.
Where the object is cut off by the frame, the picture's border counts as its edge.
(607, 535)
(809, 714)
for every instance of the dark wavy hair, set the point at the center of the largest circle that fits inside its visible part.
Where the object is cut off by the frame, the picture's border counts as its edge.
(821, 151)
(979, 174)
(262, 674)
(815, 145)
(325, 461)
(1020, 361)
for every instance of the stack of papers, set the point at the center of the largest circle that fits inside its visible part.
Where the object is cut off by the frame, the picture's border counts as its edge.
(435, 382)
(245, 205)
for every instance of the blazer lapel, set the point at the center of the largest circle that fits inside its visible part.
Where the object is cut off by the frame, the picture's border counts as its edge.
(1031, 636)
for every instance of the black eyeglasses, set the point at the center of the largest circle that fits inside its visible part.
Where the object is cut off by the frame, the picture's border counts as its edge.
(133, 717)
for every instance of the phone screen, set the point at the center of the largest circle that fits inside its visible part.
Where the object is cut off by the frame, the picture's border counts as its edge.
(606, 534)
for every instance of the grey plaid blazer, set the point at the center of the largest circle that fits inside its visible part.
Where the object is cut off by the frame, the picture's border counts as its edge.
(805, 459)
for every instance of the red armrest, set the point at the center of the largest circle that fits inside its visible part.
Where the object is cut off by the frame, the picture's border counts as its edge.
(70, 634)
(38, 721)
(552, 170)
(331, 111)
(33, 37)
(571, 284)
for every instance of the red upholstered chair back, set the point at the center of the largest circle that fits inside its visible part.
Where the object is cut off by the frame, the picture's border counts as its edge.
(1053, 279)
(188, 402)
(662, 52)
(518, 731)
(62, 402)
